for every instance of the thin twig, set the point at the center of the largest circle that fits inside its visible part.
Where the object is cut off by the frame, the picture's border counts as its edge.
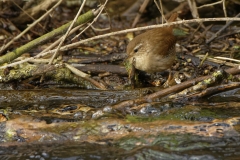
(44, 52)
(140, 12)
(66, 34)
(95, 12)
(161, 6)
(76, 71)
(94, 20)
(212, 90)
(229, 59)
(218, 61)
(100, 29)
(204, 58)
(224, 8)
(27, 13)
(193, 8)
(160, 9)
(30, 26)
(58, 41)
(211, 4)
(223, 28)
(85, 76)
(73, 45)
(167, 91)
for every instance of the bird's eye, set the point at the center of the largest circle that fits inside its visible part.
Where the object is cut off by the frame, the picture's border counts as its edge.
(135, 50)
(138, 46)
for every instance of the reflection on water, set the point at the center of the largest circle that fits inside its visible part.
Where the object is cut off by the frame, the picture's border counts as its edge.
(156, 131)
(195, 148)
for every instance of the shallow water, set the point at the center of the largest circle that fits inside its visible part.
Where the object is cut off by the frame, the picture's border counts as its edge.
(198, 131)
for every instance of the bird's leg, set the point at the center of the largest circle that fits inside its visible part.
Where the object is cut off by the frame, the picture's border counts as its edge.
(172, 79)
(130, 65)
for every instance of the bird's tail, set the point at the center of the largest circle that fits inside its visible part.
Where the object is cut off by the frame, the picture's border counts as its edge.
(173, 17)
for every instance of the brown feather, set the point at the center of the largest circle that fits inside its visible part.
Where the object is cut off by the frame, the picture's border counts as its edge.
(154, 50)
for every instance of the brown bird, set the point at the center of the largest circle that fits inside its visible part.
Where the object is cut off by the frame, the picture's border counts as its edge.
(154, 50)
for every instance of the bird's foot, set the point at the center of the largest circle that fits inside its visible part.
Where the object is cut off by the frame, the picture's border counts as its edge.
(172, 80)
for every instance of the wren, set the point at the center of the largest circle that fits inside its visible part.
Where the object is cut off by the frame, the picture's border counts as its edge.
(154, 50)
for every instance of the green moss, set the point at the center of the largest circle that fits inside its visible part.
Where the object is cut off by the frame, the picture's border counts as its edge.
(179, 32)
(10, 134)
(5, 112)
(135, 119)
(188, 113)
(129, 142)
(217, 73)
